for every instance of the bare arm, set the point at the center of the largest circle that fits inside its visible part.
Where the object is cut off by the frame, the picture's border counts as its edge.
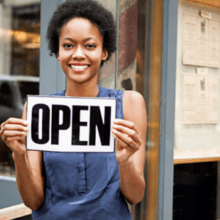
(28, 164)
(130, 135)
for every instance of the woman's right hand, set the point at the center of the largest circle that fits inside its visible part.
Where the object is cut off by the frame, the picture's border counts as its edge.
(13, 132)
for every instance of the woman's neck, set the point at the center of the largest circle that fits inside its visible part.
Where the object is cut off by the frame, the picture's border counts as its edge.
(82, 90)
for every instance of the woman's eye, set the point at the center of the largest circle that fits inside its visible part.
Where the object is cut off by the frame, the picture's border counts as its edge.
(67, 46)
(91, 45)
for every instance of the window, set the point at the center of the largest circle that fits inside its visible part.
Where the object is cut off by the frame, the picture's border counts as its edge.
(19, 63)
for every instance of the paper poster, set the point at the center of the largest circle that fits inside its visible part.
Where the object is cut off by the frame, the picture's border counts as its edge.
(188, 91)
(202, 99)
(190, 40)
(68, 124)
(199, 99)
(201, 41)
(214, 44)
(213, 98)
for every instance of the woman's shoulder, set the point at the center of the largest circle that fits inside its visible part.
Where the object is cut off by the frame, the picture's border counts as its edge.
(129, 96)
(132, 96)
(133, 104)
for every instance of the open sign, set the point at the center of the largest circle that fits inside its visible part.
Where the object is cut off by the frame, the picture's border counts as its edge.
(70, 124)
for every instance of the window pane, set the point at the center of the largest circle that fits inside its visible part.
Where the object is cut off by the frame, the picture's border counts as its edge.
(19, 63)
(25, 42)
(107, 72)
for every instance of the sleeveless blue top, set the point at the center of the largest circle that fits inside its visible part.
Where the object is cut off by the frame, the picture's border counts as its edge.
(83, 186)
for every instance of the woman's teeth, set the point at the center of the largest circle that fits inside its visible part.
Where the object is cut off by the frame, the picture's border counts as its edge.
(79, 68)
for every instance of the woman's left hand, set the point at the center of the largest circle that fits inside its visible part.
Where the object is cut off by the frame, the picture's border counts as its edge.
(127, 138)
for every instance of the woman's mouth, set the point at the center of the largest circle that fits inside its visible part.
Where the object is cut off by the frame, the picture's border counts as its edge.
(79, 68)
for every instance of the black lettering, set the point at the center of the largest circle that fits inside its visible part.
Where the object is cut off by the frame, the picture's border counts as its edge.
(103, 128)
(35, 124)
(76, 123)
(56, 109)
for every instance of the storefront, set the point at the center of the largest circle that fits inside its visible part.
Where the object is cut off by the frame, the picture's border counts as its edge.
(169, 51)
(136, 65)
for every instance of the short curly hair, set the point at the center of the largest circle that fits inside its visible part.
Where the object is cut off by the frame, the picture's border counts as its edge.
(87, 9)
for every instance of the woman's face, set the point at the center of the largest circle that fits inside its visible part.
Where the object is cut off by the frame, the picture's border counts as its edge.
(81, 50)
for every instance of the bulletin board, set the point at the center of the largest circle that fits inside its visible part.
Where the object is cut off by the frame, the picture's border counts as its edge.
(197, 107)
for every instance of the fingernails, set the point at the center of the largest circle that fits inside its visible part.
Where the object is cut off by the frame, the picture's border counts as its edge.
(25, 122)
(116, 121)
(25, 128)
(114, 131)
(114, 126)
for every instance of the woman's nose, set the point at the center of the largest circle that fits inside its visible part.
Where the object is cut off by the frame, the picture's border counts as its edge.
(78, 53)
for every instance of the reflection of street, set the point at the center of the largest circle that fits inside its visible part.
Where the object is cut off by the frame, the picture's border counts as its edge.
(6, 161)
(13, 91)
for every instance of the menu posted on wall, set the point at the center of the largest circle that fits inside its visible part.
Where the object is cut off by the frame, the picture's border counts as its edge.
(68, 124)
(199, 99)
(201, 41)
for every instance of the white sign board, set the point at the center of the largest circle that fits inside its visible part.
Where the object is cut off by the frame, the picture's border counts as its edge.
(70, 124)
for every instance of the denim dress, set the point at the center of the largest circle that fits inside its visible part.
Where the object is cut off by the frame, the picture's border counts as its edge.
(83, 186)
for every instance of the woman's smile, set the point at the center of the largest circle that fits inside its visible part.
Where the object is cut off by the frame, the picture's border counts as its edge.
(79, 67)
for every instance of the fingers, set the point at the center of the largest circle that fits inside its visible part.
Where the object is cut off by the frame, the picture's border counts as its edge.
(123, 140)
(9, 140)
(15, 121)
(13, 129)
(123, 153)
(13, 132)
(127, 132)
(7, 135)
(126, 123)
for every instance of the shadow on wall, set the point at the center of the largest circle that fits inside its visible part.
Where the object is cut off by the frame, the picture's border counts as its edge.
(127, 84)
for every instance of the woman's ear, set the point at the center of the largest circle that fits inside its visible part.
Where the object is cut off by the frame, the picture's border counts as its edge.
(58, 57)
(104, 54)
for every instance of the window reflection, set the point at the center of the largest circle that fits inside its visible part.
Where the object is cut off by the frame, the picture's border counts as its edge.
(25, 40)
(131, 47)
(19, 63)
